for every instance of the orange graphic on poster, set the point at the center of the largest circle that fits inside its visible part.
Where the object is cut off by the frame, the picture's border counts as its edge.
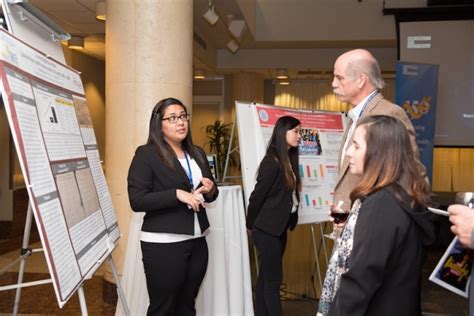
(417, 109)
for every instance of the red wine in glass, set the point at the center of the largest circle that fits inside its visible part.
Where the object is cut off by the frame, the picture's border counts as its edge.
(339, 217)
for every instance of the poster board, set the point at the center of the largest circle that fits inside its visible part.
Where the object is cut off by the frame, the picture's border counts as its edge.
(322, 134)
(58, 153)
(417, 93)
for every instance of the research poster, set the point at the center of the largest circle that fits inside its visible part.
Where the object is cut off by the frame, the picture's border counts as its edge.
(58, 153)
(321, 137)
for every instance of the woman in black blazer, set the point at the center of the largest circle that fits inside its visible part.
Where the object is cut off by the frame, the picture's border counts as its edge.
(273, 208)
(169, 179)
(375, 267)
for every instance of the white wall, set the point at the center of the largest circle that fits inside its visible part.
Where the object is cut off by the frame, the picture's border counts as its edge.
(317, 58)
(322, 20)
(327, 20)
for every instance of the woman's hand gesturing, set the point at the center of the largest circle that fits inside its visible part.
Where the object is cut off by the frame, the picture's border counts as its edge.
(193, 200)
(207, 185)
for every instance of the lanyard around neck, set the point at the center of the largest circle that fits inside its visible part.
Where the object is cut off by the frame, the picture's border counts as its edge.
(367, 102)
(190, 172)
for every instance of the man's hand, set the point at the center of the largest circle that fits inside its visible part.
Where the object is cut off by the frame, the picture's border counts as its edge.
(462, 218)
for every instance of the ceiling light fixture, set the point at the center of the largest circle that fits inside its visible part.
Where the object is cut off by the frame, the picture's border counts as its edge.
(210, 15)
(76, 42)
(199, 74)
(237, 28)
(284, 83)
(233, 46)
(282, 74)
(100, 10)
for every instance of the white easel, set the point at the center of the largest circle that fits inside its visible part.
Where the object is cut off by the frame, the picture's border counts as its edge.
(316, 252)
(26, 252)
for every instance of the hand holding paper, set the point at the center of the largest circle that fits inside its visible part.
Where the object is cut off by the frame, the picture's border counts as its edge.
(462, 218)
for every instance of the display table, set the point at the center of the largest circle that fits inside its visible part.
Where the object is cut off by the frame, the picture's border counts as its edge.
(227, 288)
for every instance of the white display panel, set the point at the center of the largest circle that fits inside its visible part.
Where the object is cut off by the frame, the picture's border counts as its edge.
(322, 134)
(53, 135)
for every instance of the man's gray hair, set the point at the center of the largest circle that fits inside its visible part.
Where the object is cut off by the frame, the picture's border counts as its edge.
(369, 67)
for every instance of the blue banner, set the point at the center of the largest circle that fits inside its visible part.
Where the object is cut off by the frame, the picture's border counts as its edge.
(417, 88)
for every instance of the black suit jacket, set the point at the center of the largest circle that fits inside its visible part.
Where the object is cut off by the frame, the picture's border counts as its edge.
(152, 189)
(271, 201)
(384, 267)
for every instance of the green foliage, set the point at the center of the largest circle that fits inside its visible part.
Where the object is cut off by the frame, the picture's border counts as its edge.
(218, 135)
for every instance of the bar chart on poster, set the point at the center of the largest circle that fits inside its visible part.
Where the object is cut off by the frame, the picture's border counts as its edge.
(58, 153)
(321, 134)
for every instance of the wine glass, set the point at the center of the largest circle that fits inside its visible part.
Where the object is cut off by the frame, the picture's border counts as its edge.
(339, 216)
(465, 198)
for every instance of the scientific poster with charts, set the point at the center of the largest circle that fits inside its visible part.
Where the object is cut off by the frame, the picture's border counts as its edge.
(58, 154)
(321, 137)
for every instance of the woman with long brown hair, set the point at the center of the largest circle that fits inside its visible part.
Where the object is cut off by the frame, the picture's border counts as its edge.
(375, 268)
(273, 208)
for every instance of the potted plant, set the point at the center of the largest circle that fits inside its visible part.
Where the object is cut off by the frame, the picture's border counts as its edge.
(218, 135)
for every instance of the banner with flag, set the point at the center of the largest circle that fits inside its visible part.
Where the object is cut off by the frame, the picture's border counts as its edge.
(416, 92)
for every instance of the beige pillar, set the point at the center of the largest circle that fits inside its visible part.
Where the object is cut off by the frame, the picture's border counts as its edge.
(148, 58)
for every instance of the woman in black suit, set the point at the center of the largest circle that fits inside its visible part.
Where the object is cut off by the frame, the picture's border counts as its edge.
(273, 208)
(375, 267)
(169, 179)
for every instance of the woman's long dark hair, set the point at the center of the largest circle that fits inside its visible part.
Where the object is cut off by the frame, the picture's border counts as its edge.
(287, 158)
(390, 161)
(155, 136)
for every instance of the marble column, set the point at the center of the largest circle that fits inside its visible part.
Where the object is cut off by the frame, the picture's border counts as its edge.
(149, 55)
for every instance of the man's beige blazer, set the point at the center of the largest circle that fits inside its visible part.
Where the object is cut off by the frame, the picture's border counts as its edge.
(346, 180)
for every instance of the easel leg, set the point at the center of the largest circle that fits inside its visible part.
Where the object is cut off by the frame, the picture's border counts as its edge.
(229, 149)
(82, 301)
(24, 248)
(323, 241)
(316, 257)
(119, 287)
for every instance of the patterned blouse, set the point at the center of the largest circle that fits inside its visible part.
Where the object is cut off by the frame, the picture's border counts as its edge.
(338, 263)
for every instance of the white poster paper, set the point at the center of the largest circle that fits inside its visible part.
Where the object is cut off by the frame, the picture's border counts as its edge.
(322, 134)
(54, 138)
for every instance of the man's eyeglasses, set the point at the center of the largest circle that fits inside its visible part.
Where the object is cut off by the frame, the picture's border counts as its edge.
(174, 119)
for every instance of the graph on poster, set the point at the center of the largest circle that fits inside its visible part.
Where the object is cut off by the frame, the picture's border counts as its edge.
(312, 171)
(58, 154)
(316, 201)
(318, 152)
